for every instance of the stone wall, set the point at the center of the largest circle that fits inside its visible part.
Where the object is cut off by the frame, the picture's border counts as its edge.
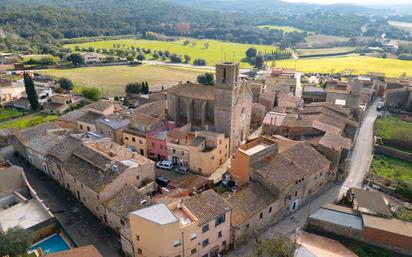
(393, 153)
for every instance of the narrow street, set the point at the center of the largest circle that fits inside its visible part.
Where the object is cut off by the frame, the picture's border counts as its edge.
(80, 223)
(359, 165)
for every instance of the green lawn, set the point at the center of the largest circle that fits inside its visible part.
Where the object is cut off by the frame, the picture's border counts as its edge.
(355, 64)
(113, 79)
(392, 168)
(28, 121)
(9, 113)
(393, 128)
(286, 29)
(217, 51)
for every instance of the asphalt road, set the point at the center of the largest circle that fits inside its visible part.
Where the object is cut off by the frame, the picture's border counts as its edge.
(359, 165)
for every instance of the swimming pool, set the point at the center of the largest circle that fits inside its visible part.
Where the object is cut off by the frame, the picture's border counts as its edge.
(52, 244)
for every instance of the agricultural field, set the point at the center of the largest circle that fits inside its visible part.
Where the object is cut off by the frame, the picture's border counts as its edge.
(113, 79)
(286, 29)
(8, 114)
(391, 168)
(354, 64)
(28, 121)
(324, 51)
(215, 52)
(319, 40)
(392, 128)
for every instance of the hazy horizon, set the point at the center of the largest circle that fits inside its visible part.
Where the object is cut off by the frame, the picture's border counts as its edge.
(363, 2)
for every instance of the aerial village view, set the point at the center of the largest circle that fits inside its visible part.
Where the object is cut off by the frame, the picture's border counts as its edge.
(205, 128)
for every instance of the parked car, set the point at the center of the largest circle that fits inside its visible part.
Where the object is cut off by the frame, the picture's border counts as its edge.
(162, 181)
(183, 170)
(167, 165)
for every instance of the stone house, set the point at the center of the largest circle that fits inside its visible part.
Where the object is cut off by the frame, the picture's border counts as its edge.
(398, 95)
(202, 151)
(223, 108)
(89, 57)
(69, 120)
(292, 170)
(112, 127)
(254, 208)
(195, 226)
(134, 135)
(92, 113)
(34, 143)
(59, 103)
(96, 171)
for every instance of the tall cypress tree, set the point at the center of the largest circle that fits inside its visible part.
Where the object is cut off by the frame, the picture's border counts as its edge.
(31, 92)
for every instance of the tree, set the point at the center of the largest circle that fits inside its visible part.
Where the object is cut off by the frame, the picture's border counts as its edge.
(174, 58)
(31, 92)
(199, 62)
(259, 62)
(133, 88)
(75, 58)
(15, 241)
(91, 93)
(206, 79)
(65, 84)
(279, 246)
(141, 57)
(251, 53)
(145, 88)
(187, 58)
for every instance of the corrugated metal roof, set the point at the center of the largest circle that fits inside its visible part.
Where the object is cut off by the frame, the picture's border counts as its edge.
(339, 218)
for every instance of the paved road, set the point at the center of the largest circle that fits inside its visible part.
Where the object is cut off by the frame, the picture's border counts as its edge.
(359, 166)
(80, 223)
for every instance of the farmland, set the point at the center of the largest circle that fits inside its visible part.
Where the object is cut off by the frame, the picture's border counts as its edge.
(392, 168)
(324, 51)
(8, 113)
(27, 121)
(354, 64)
(214, 52)
(113, 79)
(286, 29)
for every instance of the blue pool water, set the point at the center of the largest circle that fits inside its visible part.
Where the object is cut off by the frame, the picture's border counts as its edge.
(52, 244)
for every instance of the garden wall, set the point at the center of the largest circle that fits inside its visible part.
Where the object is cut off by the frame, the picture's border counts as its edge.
(393, 153)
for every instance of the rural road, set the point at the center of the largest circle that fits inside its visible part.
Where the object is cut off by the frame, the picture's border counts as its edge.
(359, 165)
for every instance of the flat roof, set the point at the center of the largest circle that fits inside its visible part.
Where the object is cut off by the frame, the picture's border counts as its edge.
(257, 148)
(25, 215)
(159, 213)
(339, 218)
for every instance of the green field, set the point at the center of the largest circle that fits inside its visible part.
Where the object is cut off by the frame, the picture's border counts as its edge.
(354, 64)
(113, 79)
(392, 168)
(286, 29)
(394, 128)
(8, 113)
(217, 51)
(28, 121)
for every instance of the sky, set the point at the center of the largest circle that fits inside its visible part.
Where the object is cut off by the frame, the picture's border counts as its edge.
(371, 2)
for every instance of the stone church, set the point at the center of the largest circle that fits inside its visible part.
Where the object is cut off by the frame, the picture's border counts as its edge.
(225, 107)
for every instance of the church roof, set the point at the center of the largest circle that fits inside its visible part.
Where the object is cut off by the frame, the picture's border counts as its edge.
(197, 91)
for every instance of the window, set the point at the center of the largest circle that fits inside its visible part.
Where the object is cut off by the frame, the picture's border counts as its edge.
(205, 242)
(182, 153)
(205, 228)
(68, 185)
(122, 222)
(81, 126)
(200, 169)
(261, 215)
(247, 225)
(126, 138)
(219, 220)
(193, 251)
(139, 251)
(174, 150)
(98, 197)
(206, 255)
(140, 142)
(193, 236)
(270, 209)
(219, 235)
(133, 139)
(177, 242)
(137, 177)
(220, 142)
(296, 193)
(81, 185)
(88, 128)
(224, 243)
(137, 237)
